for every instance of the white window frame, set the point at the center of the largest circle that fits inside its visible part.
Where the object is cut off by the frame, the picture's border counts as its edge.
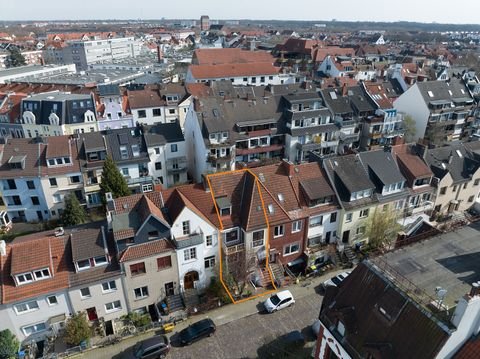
(209, 241)
(99, 262)
(89, 295)
(115, 306)
(312, 222)
(258, 242)
(296, 226)
(28, 307)
(186, 228)
(190, 254)
(363, 211)
(280, 232)
(35, 330)
(287, 250)
(25, 280)
(79, 268)
(49, 302)
(108, 287)
(142, 293)
(39, 274)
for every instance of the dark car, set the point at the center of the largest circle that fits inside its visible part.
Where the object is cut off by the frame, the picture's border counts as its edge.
(154, 347)
(196, 331)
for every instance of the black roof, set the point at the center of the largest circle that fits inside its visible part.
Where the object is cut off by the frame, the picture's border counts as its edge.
(383, 165)
(108, 90)
(162, 133)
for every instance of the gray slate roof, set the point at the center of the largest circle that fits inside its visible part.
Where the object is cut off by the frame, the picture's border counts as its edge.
(382, 165)
(162, 133)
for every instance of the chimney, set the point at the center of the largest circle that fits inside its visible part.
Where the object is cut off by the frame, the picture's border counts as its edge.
(3, 248)
(344, 89)
(289, 167)
(475, 290)
(450, 157)
(159, 54)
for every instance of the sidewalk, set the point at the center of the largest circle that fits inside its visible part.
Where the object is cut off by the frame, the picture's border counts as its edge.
(222, 315)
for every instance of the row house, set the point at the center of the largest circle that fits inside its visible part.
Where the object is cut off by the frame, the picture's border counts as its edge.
(113, 110)
(127, 149)
(348, 105)
(387, 125)
(456, 175)
(164, 103)
(441, 110)
(336, 66)
(10, 113)
(58, 113)
(73, 270)
(167, 152)
(310, 127)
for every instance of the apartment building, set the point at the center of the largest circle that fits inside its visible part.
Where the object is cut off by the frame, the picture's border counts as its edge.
(113, 111)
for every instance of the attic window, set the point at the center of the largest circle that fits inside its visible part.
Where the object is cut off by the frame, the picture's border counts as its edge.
(459, 153)
(333, 95)
(450, 92)
(271, 210)
(430, 93)
(463, 91)
(341, 328)
(281, 198)
(17, 162)
(224, 206)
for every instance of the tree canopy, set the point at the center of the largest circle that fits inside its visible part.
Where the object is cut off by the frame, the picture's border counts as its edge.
(77, 329)
(73, 213)
(9, 344)
(15, 59)
(382, 227)
(410, 130)
(113, 181)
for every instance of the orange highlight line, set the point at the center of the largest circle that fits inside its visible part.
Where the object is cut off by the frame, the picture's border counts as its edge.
(267, 246)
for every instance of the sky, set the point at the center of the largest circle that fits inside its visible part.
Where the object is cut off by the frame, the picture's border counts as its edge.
(464, 11)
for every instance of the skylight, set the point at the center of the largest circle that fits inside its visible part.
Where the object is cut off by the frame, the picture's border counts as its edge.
(430, 93)
(333, 95)
(280, 197)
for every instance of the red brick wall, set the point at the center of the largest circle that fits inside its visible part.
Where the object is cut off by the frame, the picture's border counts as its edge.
(288, 238)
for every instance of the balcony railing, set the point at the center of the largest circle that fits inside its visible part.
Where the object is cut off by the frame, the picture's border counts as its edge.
(234, 249)
(187, 241)
(177, 165)
(139, 180)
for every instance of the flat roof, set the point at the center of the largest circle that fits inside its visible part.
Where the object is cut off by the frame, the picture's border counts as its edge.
(449, 260)
(26, 69)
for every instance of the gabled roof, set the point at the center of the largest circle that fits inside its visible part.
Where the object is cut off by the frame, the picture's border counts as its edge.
(382, 165)
(349, 173)
(230, 56)
(410, 164)
(140, 251)
(87, 241)
(232, 70)
(23, 260)
(380, 320)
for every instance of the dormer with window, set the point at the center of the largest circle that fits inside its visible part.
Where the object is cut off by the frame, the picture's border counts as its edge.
(17, 162)
(28, 118)
(317, 192)
(54, 119)
(360, 194)
(392, 188)
(85, 264)
(224, 205)
(89, 116)
(218, 137)
(26, 269)
(172, 99)
(59, 161)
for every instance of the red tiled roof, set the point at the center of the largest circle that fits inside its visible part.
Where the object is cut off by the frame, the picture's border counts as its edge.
(144, 250)
(232, 70)
(123, 234)
(23, 260)
(469, 350)
(35, 259)
(58, 146)
(320, 53)
(379, 95)
(230, 56)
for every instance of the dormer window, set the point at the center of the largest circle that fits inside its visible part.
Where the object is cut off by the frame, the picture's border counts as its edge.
(17, 162)
(341, 328)
(42, 274)
(24, 278)
(224, 206)
(135, 151)
(123, 152)
(36, 275)
(101, 260)
(83, 265)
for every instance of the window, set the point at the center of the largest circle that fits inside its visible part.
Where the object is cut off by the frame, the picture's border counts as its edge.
(186, 227)
(35, 200)
(171, 111)
(124, 152)
(278, 231)
(53, 182)
(271, 210)
(443, 190)
(30, 185)
(113, 306)
(42, 274)
(471, 198)
(333, 217)
(364, 213)
(57, 198)
(258, 237)
(141, 292)
(316, 221)
(340, 325)
(83, 264)
(157, 150)
(75, 179)
(32, 329)
(296, 226)
(361, 230)
(164, 262)
(348, 217)
(158, 166)
(209, 241)
(125, 171)
(231, 236)
(52, 300)
(173, 147)
(153, 234)
(85, 292)
(210, 262)
(135, 151)
(157, 112)
(454, 188)
(142, 113)
(109, 286)
(291, 249)
(24, 278)
(100, 260)
(26, 307)
(476, 182)
(189, 254)
(137, 268)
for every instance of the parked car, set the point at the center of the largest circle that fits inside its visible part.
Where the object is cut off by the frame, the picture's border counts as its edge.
(278, 301)
(196, 331)
(335, 281)
(154, 347)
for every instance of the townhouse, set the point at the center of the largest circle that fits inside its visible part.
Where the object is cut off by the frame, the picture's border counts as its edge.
(126, 147)
(58, 113)
(456, 175)
(386, 126)
(441, 110)
(167, 152)
(162, 103)
(112, 108)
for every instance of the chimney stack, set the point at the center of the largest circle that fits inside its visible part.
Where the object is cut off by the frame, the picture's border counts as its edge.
(475, 290)
(289, 166)
(3, 248)
(344, 89)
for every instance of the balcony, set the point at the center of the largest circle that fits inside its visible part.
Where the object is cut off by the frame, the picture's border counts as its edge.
(176, 165)
(349, 138)
(192, 239)
(228, 250)
(139, 180)
(223, 159)
(258, 149)
(312, 146)
(393, 133)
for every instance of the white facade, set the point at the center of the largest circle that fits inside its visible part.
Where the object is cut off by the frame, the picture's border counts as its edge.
(206, 252)
(100, 294)
(168, 163)
(322, 228)
(25, 199)
(66, 184)
(411, 103)
(30, 317)
(257, 80)
(25, 72)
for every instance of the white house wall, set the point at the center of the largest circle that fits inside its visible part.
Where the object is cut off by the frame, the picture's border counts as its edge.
(412, 103)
